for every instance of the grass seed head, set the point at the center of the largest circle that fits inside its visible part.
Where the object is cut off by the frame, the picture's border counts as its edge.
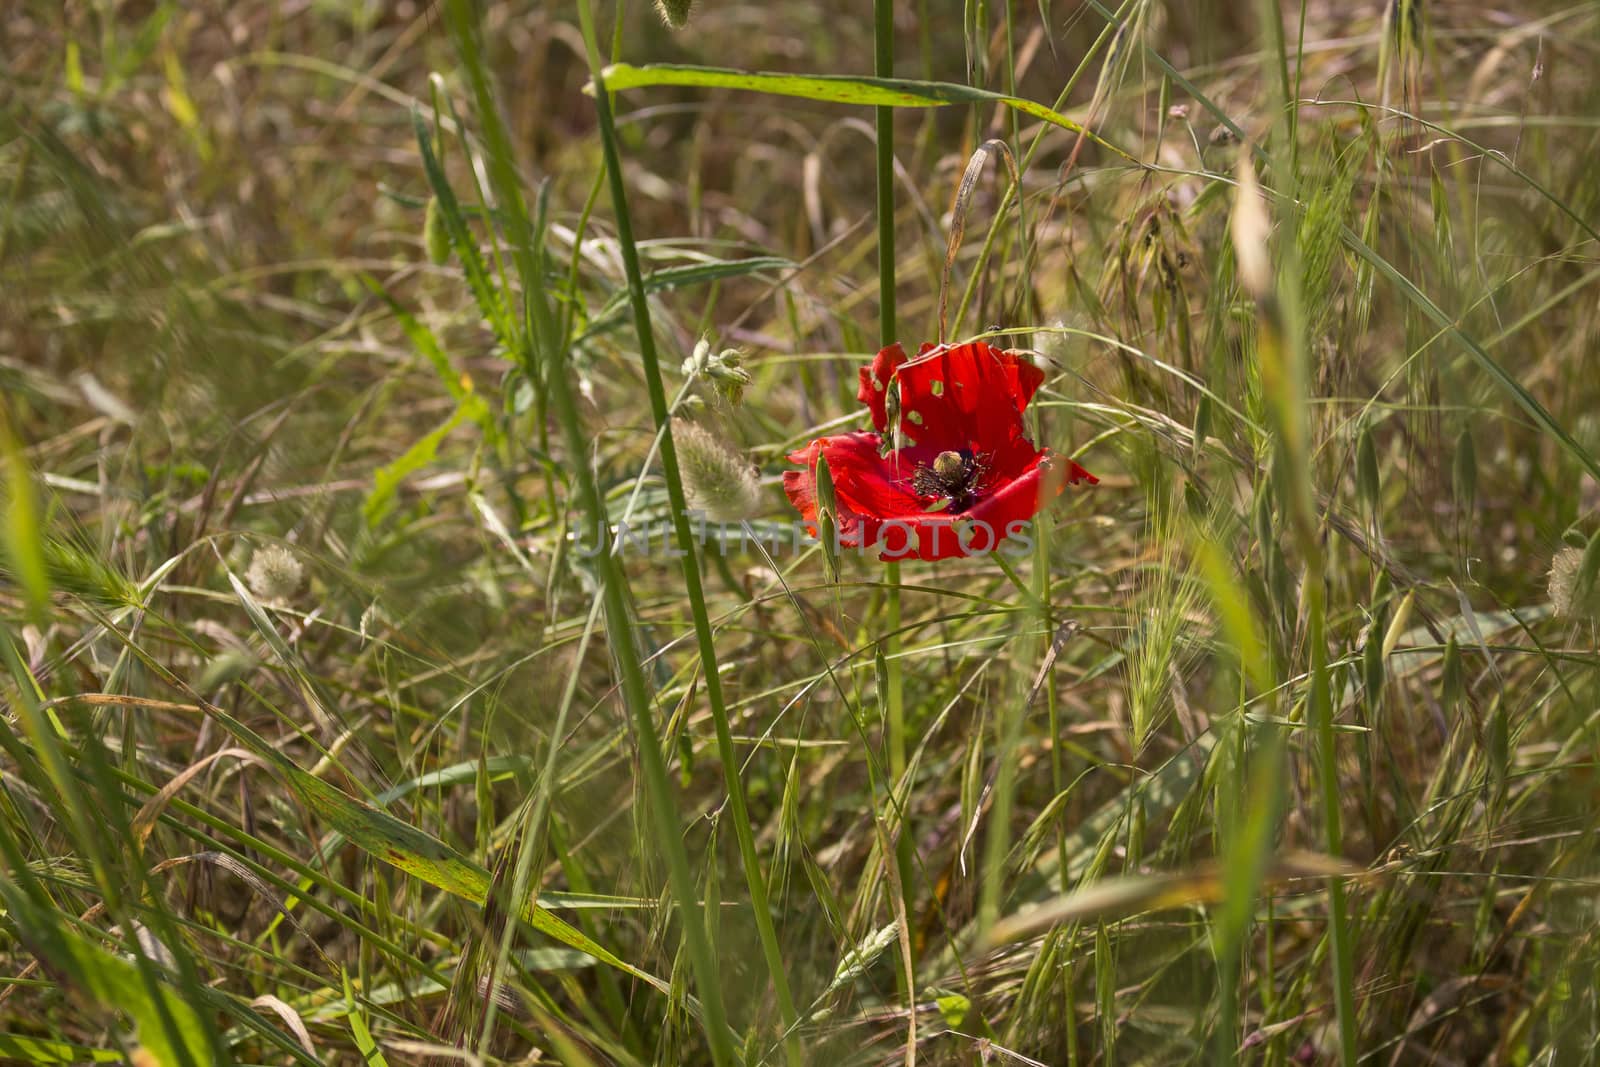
(1570, 596)
(675, 12)
(274, 573)
(716, 479)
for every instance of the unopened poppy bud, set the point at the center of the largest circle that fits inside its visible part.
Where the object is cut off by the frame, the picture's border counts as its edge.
(716, 479)
(827, 512)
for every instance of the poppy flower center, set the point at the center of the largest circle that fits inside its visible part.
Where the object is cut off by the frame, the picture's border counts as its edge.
(952, 476)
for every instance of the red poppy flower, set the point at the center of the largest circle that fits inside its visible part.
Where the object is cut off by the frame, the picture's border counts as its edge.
(964, 477)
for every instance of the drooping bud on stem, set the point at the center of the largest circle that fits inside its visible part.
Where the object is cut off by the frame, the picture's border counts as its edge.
(723, 368)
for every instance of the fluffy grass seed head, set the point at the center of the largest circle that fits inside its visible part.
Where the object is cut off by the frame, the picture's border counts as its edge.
(274, 573)
(675, 12)
(1570, 596)
(716, 479)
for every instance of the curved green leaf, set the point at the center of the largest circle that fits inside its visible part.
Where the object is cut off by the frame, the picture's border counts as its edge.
(837, 89)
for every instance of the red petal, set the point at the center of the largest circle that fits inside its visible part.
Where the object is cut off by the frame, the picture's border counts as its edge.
(969, 396)
(868, 487)
(875, 379)
(878, 509)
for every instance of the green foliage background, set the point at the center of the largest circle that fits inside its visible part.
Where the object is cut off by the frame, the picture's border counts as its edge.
(320, 353)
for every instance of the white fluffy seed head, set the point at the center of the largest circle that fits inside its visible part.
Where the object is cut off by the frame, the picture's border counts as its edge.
(717, 480)
(274, 573)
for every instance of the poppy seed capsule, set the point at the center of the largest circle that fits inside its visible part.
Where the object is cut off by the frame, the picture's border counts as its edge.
(949, 465)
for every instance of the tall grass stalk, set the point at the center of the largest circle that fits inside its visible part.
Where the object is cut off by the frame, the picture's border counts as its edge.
(1285, 384)
(883, 67)
(755, 880)
(548, 347)
(1283, 342)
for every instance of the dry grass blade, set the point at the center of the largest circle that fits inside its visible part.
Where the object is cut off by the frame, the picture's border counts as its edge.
(1133, 894)
(144, 820)
(962, 204)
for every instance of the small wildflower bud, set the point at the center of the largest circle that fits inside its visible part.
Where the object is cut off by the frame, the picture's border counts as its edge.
(675, 13)
(696, 363)
(724, 369)
(435, 238)
(1574, 591)
(717, 480)
(274, 573)
(948, 465)
(730, 378)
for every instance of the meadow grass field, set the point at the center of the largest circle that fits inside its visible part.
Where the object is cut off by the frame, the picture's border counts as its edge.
(374, 688)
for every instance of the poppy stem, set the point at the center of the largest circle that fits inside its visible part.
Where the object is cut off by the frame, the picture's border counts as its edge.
(883, 67)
